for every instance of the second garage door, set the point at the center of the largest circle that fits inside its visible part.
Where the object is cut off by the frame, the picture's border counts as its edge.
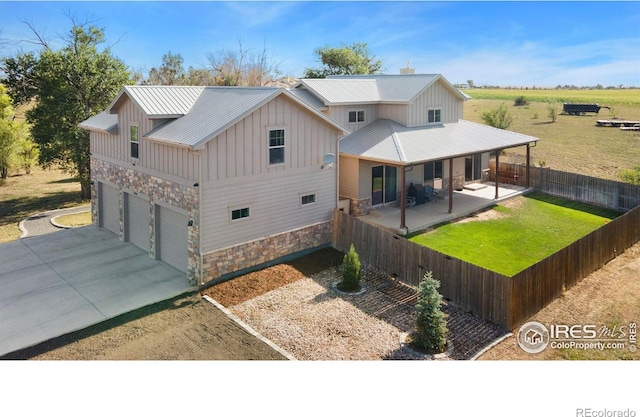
(171, 237)
(137, 221)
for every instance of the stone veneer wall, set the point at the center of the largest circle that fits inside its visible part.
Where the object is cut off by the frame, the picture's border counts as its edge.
(158, 190)
(257, 252)
(360, 207)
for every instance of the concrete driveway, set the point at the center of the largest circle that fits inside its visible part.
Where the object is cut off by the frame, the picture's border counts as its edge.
(60, 282)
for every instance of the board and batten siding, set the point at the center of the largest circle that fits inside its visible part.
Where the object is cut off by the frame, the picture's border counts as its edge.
(437, 96)
(242, 150)
(396, 112)
(154, 156)
(341, 115)
(274, 203)
(238, 175)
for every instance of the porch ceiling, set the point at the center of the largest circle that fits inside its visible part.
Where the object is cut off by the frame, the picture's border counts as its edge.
(388, 141)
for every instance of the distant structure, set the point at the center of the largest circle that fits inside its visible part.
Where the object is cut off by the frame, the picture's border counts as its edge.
(408, 69)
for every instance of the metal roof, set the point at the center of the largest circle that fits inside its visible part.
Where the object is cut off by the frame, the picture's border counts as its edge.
(347, 89)
(217, 109)
(386, 140)
(102, 122)
(160, 101)
(308, 97)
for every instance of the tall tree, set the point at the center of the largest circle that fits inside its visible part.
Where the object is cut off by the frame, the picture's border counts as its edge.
(171, 72)
(345, 60)
(69, 86)
(13, 135)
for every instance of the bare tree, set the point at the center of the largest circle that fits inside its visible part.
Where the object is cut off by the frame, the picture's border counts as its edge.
(242, 68)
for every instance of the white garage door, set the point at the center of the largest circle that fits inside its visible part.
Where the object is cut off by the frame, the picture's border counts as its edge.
(109, 208)
(171, 237)
(137, 221)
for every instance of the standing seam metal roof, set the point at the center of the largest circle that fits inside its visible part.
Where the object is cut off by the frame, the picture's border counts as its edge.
(161, 101)
(372, 88)
(386, 140)
(214, 111)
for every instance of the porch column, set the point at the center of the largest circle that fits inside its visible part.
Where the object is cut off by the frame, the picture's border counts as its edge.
(497, 169)
(450, 184)
(403, 199)
(528, 166)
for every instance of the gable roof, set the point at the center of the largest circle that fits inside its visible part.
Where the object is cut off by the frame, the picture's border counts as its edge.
(158, 101)
(388, 141)
(363, 89)
(200, 113)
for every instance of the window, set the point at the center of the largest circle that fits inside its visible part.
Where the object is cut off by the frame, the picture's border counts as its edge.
(308, 199)
(240, 213)
(432, 170)
(276, 146)
(434, 116)
(134, 141)
(356, 116)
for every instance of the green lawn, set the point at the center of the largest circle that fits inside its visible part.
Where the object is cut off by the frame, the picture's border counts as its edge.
(536, 227)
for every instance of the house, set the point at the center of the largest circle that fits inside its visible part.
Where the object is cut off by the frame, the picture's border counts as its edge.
(405, 129)
(214, 180)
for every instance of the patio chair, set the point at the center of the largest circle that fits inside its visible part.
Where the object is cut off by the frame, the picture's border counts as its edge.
(431, 193)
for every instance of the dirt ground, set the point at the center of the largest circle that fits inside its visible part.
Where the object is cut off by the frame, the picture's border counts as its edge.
(183, 328)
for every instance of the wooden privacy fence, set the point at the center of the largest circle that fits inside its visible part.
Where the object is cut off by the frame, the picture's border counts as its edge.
(576, 187)
(506, 301)
(538, 285)
(477, 290)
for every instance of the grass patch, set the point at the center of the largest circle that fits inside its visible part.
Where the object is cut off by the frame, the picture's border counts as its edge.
(74, 220)
(23, 195)
(520, 237)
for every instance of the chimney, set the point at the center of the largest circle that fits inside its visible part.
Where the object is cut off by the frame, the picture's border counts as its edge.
(408, 69)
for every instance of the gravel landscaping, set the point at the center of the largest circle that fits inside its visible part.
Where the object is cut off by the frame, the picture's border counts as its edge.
(308, 319)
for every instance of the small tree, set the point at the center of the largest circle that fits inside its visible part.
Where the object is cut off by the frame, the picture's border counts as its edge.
(500, 117)
(430, 327)
(632, 176)
(520, 101)
(351, 268)
(552, 109)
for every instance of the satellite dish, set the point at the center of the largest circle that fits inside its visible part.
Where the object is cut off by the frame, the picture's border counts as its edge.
(328, 160)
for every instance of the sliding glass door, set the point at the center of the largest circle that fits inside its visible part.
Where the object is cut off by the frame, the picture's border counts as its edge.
(383, 184)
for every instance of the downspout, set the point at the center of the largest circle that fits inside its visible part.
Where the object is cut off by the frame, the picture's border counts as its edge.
(403, 200)
(199, 153)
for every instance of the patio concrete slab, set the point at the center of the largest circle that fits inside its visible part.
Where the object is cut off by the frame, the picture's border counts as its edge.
(61, 282)
(423, 216)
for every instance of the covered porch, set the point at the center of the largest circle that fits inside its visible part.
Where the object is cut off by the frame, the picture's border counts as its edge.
(423, 216)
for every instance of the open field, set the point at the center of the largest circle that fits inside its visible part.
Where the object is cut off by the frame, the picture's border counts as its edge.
(572, 143)
(517, 233)
(23, 195)
(625, 98)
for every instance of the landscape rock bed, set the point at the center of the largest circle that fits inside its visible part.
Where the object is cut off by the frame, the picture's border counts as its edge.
(308, 319)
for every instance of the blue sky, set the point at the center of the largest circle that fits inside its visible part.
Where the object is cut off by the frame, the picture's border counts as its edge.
(496, 43)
